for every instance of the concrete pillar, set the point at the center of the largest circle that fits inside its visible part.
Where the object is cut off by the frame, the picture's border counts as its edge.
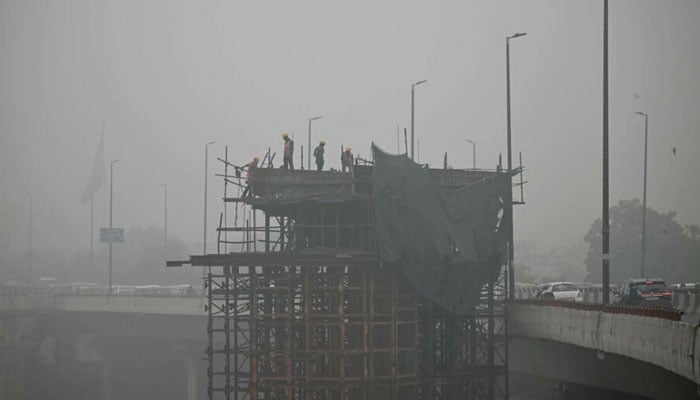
(106, 372)
(17, 355)
(192, 372)
(195, 369)
(64, 365)
(12, 372)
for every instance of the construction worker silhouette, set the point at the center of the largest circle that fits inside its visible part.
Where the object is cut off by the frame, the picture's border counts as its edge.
(347, 159)
(288, 152)
(318, 154)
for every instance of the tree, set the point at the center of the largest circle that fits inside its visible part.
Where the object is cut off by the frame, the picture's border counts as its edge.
(672, 252)
(140, 259)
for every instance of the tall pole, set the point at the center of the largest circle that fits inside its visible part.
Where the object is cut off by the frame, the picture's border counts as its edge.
(308, 149)
(206, 175)
(418, 152)
(473, 152)
(398, 145)
(91, 273)
(413, 102)
(92, 232)
(642, 271)
(606, 190)
(111, 198)
(29, 255)
(165, 221)
(509, 194)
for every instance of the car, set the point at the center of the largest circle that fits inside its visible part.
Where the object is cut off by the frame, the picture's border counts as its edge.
(684, 286)
(647, 292)
(559, 291)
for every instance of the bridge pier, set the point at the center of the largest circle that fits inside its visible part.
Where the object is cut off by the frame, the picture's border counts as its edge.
(13, 360)
(17, 345)
(105, 381)
(195, 369)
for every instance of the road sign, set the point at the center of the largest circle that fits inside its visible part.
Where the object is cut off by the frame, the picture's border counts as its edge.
(111, 235)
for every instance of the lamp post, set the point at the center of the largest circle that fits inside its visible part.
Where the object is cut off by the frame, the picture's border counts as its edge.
(509, 195)
(165, 221)
(473, 152)
(29, 271)
(111, 198)
(308, 150)
(206, 174)
(413, 102)
(644, 195)
(605, 231)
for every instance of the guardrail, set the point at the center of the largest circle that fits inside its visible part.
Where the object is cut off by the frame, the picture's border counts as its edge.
(185, 291)
(654, 312)
(161, 305)
(687, 300)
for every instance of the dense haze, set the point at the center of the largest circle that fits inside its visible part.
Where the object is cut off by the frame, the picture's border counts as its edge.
(167, 77)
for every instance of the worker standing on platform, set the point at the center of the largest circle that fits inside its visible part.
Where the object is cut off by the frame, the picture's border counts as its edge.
(249, 173)
(318, 154)
(347, 159)
(288, 152)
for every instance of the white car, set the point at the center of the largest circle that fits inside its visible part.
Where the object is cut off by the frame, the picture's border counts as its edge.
(559, 291)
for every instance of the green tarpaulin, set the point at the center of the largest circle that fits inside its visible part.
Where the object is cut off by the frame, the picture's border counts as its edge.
(445, 240)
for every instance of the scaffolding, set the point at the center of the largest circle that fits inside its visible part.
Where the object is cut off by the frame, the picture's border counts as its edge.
(299, 308)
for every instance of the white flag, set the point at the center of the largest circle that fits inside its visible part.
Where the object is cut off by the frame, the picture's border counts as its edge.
(97, 175)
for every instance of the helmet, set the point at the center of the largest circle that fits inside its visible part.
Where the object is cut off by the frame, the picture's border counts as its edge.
(256, 158)
(323, 142)
(348, 148)
(285, 135)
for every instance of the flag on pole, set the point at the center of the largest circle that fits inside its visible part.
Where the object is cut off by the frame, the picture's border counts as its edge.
(97, 175)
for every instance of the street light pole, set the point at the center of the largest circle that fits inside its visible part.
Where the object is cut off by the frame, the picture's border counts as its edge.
(308, 149)
(111, 198)
(644, 195)
(206, 175)
(605, 231)
(473, 151)
(165, 222)
(509, 195)
(413, 102)
(30, 238)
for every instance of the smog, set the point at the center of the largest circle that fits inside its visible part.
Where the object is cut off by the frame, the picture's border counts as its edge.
(361, 200)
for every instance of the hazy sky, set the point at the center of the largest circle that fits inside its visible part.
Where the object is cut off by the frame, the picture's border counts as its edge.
(168, 76)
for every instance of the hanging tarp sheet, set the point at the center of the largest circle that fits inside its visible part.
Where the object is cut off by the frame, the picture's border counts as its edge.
(445, 240)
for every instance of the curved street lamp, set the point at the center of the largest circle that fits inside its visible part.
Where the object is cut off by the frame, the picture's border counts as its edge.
(509, 196)
(413, 102)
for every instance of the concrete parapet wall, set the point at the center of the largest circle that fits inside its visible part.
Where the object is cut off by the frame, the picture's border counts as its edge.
(687, 300)
(672, 345)
(119, 304)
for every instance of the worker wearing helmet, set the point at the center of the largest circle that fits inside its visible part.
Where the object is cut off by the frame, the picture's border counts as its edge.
(251, 166)
(288, 152)
(318, 154)
(249, 173)
(347, 159)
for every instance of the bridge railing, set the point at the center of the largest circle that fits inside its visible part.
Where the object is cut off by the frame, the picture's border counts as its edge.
(186, 291)
(687, 300)
(655, 312)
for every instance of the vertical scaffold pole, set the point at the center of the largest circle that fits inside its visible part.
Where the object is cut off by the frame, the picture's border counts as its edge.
(210, 334)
